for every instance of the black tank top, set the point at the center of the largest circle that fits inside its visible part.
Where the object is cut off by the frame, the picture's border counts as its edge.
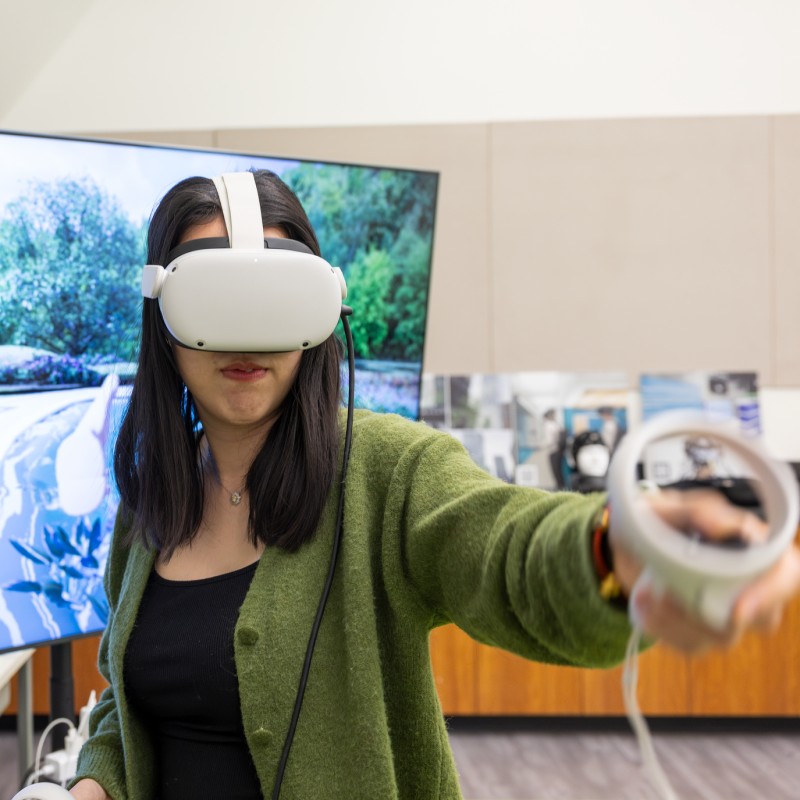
(180, 677)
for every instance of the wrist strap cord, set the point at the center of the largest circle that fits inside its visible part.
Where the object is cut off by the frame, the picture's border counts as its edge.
(630, 678)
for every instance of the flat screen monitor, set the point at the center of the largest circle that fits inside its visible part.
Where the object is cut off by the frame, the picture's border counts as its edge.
(73, 221)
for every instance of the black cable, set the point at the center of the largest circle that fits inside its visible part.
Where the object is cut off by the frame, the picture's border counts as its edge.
(298, 703)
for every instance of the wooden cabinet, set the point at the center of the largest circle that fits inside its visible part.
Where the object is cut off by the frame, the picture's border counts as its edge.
(759, 677)
(84, 667)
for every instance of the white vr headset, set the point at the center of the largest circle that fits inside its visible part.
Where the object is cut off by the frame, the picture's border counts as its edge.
(246, 294)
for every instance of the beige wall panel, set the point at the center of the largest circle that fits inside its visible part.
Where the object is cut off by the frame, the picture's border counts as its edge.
(458, 332)
(634, 245)
(786, 177)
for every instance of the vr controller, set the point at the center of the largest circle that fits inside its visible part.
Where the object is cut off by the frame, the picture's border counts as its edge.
(246, 293)
(43, 791)
(704, 576)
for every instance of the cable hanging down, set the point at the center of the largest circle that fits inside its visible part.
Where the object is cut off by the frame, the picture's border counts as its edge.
(346, 312)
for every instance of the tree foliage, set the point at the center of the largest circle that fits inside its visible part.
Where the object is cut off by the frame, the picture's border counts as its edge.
(376, 225)
(70, 260)
(69, 268)
(371, 280)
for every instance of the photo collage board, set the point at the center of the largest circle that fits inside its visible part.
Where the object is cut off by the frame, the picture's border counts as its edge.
(559, 430)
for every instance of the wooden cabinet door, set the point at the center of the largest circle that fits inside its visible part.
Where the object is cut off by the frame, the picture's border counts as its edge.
(84, 671)
(758, 677)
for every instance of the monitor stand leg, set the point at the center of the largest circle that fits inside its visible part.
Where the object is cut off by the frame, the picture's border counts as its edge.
(62, 692)
(25, 719)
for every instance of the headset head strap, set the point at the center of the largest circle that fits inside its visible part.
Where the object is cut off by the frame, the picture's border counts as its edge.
(241, 209)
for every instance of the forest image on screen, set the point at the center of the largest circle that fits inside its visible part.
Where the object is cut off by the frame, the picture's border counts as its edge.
(73, 226)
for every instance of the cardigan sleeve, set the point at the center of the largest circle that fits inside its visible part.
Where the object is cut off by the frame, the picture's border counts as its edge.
(101, 757)
(509, 565)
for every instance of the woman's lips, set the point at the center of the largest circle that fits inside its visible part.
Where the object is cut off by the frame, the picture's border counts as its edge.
(244, 372)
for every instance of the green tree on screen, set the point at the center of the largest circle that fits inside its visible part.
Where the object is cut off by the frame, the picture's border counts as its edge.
(69, 268)
(370, 278)
(368, 218)
(409, 297)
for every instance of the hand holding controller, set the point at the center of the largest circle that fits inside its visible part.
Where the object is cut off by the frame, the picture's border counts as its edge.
(704, 577)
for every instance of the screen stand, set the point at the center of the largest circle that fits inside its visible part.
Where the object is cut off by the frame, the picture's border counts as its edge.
(62, 692)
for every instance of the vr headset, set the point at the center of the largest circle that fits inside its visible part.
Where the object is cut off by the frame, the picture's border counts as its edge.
(245, 293)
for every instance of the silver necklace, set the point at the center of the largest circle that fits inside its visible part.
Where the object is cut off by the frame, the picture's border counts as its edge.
(234, 497)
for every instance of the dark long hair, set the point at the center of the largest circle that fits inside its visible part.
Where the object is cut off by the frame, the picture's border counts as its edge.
(156, 462)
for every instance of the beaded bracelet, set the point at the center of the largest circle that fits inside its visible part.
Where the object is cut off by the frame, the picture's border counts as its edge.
(603, 558)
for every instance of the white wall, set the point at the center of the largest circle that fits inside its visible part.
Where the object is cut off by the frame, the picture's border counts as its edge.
(200, 67)
(192, 64)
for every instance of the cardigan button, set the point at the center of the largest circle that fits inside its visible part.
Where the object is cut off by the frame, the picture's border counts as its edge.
(262, 737)
(247, 635)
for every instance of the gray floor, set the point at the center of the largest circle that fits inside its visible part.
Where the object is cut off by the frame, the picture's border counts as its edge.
(595, 766)
(558, 765)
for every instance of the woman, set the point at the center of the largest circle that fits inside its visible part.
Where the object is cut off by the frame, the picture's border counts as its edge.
(228, 467)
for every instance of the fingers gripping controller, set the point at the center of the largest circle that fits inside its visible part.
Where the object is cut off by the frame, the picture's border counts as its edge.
(706, 578)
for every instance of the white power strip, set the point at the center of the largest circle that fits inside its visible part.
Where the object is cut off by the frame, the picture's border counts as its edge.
(61, 766)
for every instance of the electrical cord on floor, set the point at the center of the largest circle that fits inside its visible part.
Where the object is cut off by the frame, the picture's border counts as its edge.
(40, 746)
(29, 776)
(47, 771)
(59, 766)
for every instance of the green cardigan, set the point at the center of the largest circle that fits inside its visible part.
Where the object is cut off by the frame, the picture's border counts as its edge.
(429, 538)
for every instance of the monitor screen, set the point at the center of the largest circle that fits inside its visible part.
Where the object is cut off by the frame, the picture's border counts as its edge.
(73, 222)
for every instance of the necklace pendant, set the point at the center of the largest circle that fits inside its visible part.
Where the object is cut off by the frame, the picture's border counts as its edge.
(236, 498)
